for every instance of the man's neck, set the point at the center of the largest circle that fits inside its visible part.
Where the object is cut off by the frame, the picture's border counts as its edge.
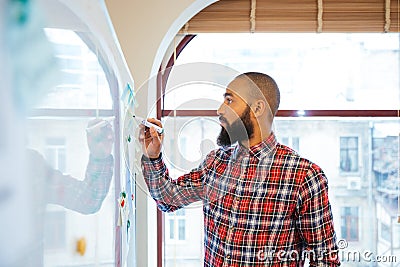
(256, 139)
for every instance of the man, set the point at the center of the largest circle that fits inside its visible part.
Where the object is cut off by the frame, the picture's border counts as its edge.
(264, 205)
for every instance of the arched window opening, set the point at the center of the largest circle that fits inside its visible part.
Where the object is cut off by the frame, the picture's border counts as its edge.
(339, 107)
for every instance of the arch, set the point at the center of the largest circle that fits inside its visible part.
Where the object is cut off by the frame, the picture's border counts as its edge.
(185, 16)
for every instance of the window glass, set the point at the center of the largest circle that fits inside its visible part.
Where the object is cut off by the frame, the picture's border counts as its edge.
(78, 208)
(329, 71)
(69, 221)
(333, 71)
(207, 96)
(321, 139)
(349, 223)
(196, 137)
(177, 226)
(82, 82)
(55, 153)
(349, 154)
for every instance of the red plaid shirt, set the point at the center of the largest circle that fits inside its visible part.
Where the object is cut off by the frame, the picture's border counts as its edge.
(263, 206)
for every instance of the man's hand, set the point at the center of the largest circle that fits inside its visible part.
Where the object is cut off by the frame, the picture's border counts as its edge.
(151, 140)
(100, 138)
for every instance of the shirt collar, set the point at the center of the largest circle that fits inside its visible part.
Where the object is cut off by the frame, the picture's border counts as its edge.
(259, 150)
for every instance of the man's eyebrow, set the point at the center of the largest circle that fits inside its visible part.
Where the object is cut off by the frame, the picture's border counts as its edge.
(228, 94)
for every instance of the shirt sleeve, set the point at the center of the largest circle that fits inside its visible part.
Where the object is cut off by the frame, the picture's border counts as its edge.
(315, 220)
(85, 196)
(172, 194)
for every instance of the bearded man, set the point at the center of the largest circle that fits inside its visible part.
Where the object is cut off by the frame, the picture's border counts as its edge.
(263, 204)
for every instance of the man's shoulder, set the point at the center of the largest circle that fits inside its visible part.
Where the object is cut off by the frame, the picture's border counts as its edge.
(220, 154)
(292, 155)
(288, 152)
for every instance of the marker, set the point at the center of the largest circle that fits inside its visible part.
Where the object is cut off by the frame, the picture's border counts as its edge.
(149, 124)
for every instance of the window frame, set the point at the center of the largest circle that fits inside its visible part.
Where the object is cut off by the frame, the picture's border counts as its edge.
(347, 151)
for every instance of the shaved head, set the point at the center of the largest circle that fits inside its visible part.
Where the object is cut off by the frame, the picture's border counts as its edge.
(262, 86)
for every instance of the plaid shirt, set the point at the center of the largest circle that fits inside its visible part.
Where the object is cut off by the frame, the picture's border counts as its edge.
(263, 206)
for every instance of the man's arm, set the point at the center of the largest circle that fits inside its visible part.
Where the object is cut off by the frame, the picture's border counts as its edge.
(169, 194)
(172, 194)
(84, 196)
(315, 220)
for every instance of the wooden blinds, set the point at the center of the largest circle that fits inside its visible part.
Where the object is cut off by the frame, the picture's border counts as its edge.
(296, 16)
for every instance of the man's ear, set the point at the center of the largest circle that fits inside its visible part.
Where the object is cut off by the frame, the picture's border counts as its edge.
(259, 107)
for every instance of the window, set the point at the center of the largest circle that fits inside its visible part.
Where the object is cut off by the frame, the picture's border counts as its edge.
(177, 226)
(55, 153)
(305, 79)
(349, 223)
(182, 155)
(329, 101)
(292, 142)
(385, 232)
(57, 130)
(385, 160)
(349, 154)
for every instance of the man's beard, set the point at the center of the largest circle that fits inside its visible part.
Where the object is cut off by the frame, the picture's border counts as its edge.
(241, 130)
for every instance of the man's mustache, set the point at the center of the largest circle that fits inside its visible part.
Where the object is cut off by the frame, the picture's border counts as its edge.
(222, 119)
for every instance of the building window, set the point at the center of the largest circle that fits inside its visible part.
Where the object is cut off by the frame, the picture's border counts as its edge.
(56, 153)
(385, 232)
(311, 109)
(349, 154)
(349, 223)
(176, 226)
(292, 142)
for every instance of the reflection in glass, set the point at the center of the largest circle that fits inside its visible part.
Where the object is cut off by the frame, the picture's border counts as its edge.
(71, 192)
(71, 168)
(82, 83)
(349, 154)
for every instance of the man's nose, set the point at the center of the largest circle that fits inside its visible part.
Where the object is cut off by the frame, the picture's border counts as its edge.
(221, 109)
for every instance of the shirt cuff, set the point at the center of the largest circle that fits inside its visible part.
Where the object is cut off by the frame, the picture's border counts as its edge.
(152, 168)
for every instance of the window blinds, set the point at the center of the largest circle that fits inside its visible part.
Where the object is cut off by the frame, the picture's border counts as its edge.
(296, 16)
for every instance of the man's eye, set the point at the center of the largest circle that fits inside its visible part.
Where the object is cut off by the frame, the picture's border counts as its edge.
(229, 101)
